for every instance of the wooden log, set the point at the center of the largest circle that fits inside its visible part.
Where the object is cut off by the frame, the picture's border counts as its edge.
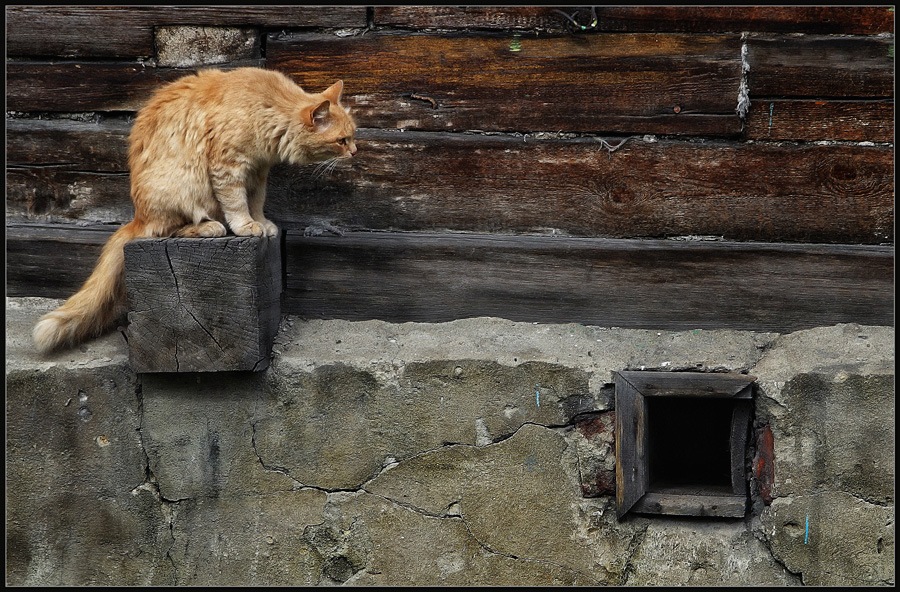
(623, 283)
(810, 121)
(434, 181)
(402, 277)
(88, 86)
(51, 261)
(202, 305)
(821, 67)
(127, 31)
(628, 83)
(100, 146)
(78, 32)
(48, 194)
(763, 192)
(859, 20)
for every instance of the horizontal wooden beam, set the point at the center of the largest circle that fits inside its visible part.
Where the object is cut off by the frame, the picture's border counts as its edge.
(700, 19)
(127, 31)
(821, 67)
(660, 284)
(428, 181)
(813, 121)
(625, 283)
(626, 83)
(48, 194)
(477, 183)
(100, 146)
(73, 87)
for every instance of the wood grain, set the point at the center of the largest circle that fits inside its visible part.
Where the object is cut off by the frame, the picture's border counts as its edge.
(628, 83)
(48, 194)
(202, 305)
(100, 146)
(726, 506)
(127, 31)
(821, 67)
(417, 277)
(402, 277)
(425, 181)
(437, 181)
(51, 261)
(705, 19)
(632, 476)
(811, 121)
(81, 86)
(694, 384)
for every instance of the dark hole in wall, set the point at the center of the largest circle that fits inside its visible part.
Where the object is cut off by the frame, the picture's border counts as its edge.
(689, 443)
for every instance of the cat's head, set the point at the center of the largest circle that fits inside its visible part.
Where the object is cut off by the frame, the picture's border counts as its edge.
(333, 129)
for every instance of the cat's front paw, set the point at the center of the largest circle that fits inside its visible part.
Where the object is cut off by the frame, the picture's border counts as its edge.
(252, 228)
(270, 228)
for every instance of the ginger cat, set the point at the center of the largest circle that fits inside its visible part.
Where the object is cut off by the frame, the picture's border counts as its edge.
(199, 154)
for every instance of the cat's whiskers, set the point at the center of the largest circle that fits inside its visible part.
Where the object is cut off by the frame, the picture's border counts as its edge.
(323, 168)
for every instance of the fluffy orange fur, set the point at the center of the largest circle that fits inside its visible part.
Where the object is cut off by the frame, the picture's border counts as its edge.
(199, 154)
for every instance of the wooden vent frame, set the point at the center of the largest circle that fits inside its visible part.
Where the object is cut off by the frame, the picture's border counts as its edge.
(642, 437)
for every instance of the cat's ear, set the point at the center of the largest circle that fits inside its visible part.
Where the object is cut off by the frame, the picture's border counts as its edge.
(333, 92)
(317, 116)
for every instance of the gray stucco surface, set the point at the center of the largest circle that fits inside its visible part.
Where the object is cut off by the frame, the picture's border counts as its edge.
(472, 452)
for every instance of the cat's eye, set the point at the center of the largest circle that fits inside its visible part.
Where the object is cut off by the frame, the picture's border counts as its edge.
(344, 141)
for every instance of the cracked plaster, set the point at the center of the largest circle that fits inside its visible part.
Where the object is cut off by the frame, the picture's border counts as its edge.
(503, 504)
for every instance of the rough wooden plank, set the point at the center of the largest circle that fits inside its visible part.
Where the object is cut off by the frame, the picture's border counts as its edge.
(76, 145)
(810, 121)
(202, 305)
(700, 19)
(632, 477)
(740, 426)
(541, 18)
(781, 19)
(78, 32)
(624, 283)
(425, 181)
(763, 192)
(87, 86)
(48, 194)
(127, 31)
(724, 506)
(821, 67)
(51, 262)
(689, 384)
(629, 83)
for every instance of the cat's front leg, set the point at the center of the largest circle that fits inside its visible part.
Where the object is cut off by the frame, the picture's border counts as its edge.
(232, 196)
(256, 198)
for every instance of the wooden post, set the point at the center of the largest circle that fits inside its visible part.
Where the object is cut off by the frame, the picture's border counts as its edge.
(202, 304)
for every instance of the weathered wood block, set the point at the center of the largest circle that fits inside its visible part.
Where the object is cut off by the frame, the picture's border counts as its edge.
(202, 304)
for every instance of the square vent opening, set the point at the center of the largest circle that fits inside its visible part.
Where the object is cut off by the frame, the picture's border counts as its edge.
(681, 441)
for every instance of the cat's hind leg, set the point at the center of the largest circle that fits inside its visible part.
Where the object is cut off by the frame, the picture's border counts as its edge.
(204, 229)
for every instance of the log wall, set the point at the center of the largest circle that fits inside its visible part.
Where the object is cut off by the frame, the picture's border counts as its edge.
(635, 166)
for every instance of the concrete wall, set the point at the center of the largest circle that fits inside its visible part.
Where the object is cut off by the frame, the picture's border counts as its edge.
(477, 451)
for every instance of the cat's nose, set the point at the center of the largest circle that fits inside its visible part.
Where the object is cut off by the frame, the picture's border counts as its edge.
(352, 149)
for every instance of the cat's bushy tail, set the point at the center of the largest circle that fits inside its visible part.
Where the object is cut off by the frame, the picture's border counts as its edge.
(97, 305)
